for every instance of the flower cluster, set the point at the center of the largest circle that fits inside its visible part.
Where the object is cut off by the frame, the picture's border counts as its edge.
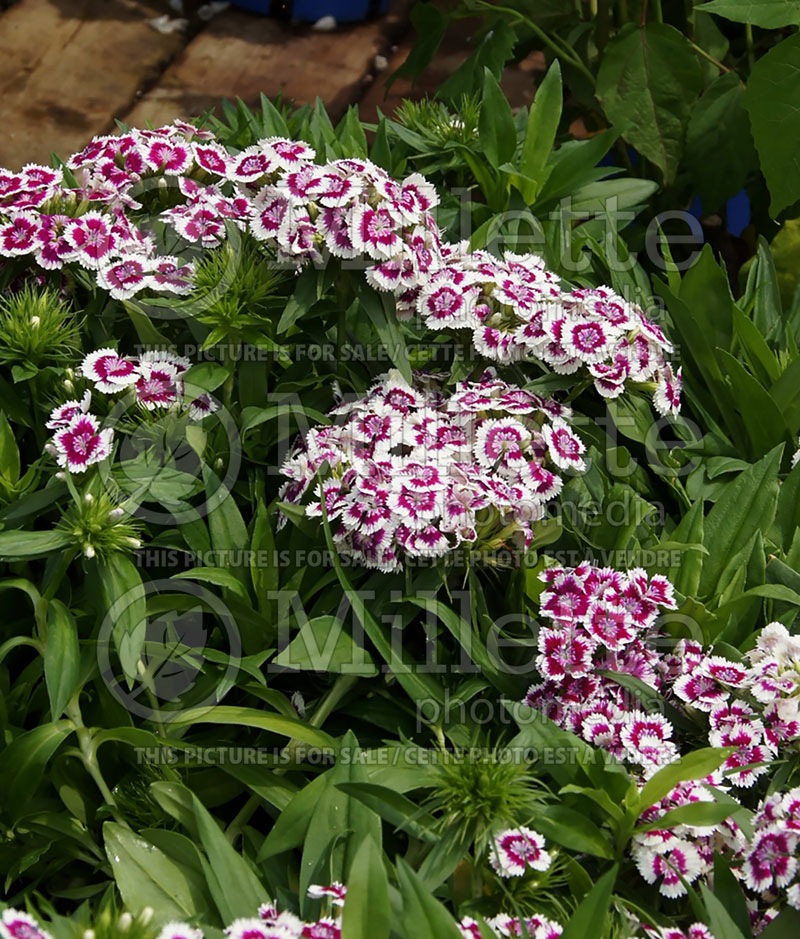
(345, 208)
(764, 860)
(517, 849)
(271, 923)
(156, 380)
(517, 310)
(604, 622)
(535, 927)
(695, 931)
(752, 704)
(412, 473)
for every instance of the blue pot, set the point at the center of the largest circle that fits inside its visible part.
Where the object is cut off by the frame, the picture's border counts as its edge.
(343, 11)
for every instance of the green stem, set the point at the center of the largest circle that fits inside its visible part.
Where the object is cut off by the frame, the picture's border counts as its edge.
(230, 360)
(700, 51)
(559, 46)
(241, 818)
(58, 573)
(659, 11)
(748, 36)
(342, 686)
(89, 756)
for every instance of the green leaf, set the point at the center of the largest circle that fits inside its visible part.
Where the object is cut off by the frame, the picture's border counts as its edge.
(786, 392)
(695, 765)
(762, 418)
(264, 572)
(494, 49)
(233, 884)
(423, 916)
(62, 657)
(291, 826)
(469, 641)
(445, 856)
(9, 451)
(124, 598)
(705, 291)
(747, 505)
(573, 830)
(773, 90)
(217, 576)
(430, 25)
(785, 926)
(648, 82)
(729, 892)
(787, 517)
(719, 149)
(590, 917)
(250, 717)
(701, 814)
(761, 359)
(379, 309)
(25, 759)
(323, 645)
(396, 808)
(31, 544)
(204, 376)
(227, 529)
(351, 132)
(304, 297)
(146, 876)
(419, 687)
(769, 14)
(338, 825)
(540, 135)
(498, 132)
(719, 919)
(367, 914)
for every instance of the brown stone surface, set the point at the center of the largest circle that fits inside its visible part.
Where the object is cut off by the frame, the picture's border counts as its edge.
(69, 67)
(242, 55)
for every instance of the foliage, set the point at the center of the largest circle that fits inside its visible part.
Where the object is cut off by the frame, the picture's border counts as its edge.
(640, 69)
(207, 707)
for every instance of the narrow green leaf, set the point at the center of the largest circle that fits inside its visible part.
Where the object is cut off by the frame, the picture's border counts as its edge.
(423, 917)
(24, 545)
(695, 765)
(590, 917)
(498, 132)
(747, 505)
(540, 135)
(367, 914)
(62, 657)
